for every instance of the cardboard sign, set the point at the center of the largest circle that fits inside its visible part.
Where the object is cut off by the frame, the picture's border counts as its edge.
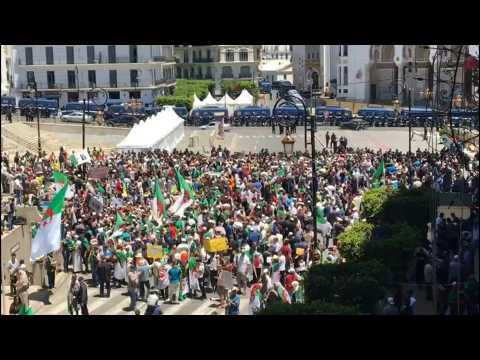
(116, 203)
(96, 204)
(154, 251)
(98, 173)
(216, 244)
(83, 157)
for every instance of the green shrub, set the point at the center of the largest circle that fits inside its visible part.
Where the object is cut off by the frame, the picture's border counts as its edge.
(394, 245)
(373, 202)
(313, 308)
(350, 284)
(176, 101)
(407, 206)
(353, 240)
(186, 88)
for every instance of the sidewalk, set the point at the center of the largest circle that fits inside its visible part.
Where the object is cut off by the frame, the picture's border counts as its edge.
(38, 295)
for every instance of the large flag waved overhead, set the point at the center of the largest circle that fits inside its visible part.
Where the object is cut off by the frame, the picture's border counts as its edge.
(186, 197)
(378, 175)
(48, 235)
(158, 203)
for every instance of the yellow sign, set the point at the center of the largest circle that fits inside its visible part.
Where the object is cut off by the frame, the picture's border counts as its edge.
(299, 251)
(154, 251)
(217, 244)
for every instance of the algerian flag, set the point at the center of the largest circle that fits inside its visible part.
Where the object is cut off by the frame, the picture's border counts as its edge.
(158, 203)
(118, 222)
(281, 172)
(186, 197)
(60, 181)
(184, 186)
(378, 174)
(48, 234)
(320, 217)
(59, 177)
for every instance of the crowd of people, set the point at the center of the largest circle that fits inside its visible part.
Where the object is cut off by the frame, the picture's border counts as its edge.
(260, 202)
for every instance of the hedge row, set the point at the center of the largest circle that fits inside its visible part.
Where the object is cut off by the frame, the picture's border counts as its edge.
(313, 308)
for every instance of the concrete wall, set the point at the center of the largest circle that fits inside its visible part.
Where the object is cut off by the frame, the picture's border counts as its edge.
(20, 240)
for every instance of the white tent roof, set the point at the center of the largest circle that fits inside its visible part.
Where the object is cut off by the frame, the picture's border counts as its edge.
(197, 102)
(153, 131)
(245, 98)
(209, 100)
(230, 101)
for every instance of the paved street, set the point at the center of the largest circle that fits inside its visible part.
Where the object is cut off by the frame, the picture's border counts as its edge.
(118, 302)
(255, 138)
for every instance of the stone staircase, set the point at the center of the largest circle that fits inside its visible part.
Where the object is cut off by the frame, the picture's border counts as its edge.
(21, 136)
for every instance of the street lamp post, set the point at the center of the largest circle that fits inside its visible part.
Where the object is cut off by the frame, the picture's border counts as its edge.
(33, 86)
(296, 102)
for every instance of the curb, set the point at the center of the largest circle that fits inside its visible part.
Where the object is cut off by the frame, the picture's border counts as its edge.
(60, 280)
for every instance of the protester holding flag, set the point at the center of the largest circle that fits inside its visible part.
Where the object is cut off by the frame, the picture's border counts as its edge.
(259, 199)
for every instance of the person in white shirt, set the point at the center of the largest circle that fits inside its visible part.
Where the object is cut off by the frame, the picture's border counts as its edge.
(282, 261)
(243, 269)
(12, 267)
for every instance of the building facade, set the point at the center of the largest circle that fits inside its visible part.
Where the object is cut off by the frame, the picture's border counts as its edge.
(218, 62)
(6, 66)
(69, 72)
(277, 52)
(443, 60)
(276, 63)
(312, 66)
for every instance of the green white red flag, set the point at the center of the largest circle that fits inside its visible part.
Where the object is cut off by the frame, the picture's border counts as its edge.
(48, 235)
(158, 203)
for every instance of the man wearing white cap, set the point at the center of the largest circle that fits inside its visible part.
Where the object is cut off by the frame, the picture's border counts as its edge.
(22, 285)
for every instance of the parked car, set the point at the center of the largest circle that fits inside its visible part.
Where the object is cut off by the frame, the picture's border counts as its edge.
(354, 124)
(76, 116)
(210, 125)
(122, 120)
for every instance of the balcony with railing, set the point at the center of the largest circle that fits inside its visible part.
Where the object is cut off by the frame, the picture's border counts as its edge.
(202, 60)
(163, 59)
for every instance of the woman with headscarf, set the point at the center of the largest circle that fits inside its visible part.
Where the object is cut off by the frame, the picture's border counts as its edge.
(77, 255)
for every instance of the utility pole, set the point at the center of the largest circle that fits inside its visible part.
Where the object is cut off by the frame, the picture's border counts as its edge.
(314, 185)
(83, 125)
(409, 122)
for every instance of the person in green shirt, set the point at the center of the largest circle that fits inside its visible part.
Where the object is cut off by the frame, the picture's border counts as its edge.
(68, 246)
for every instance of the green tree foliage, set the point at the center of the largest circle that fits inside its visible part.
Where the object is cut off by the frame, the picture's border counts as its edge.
(394, 245)
(348, 284)
(313, 308)
(176, 101)
(236, 86)
(373, 202)
(353, 240)
(187, 88)
(407, 206)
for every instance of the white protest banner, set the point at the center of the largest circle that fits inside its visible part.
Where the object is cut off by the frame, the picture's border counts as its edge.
(83, 157)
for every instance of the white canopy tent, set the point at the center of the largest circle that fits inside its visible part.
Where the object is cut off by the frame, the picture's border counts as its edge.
(244, 99)
(197, 102)
(209, 100)
(161, 131)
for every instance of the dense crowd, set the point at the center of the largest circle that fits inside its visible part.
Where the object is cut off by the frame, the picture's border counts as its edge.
(261, 202)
